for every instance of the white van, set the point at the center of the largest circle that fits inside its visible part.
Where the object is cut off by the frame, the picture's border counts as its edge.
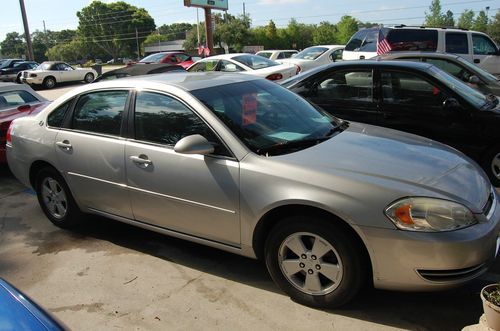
(476, 47)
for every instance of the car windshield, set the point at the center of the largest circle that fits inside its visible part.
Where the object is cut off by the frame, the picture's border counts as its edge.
(44, 66)
(267, 55)
(267, 118)
(153, 57)
(484, 74)
(473, 96)
(254, 61)
(311, 53)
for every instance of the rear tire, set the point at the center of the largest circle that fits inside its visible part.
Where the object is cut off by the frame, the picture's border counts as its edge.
(315, 261)
(56, 200)
(89, 78)
(49, 82)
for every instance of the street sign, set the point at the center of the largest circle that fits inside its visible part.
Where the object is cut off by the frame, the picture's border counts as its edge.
(212, 4)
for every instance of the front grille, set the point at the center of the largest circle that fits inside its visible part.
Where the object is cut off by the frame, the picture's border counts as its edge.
(452, 275)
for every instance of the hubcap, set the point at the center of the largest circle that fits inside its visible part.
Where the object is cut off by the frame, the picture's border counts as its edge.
(54, 198)
(310, 263)
(495, 166)
(50, 82)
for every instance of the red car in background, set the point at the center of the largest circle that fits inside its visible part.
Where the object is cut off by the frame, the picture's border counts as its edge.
(179, 58)
(16, 100)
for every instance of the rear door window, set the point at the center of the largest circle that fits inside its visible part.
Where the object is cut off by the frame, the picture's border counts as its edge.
(457, 43)
(208, 65)
(100, 112)
(356, 41)
(413, 40)
(347, 85)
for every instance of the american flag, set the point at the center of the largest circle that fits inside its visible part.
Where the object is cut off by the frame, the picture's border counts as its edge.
(383, 45)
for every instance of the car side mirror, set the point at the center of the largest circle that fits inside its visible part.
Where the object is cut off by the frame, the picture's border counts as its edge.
(474, 80)
(451, 104)
(194, 144)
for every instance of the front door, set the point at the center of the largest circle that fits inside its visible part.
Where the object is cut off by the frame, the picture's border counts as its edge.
(90, 152)
(485, 54)
(193, 194)
(347, 94)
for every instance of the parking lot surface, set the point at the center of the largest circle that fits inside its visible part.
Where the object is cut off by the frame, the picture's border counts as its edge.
(109, 275)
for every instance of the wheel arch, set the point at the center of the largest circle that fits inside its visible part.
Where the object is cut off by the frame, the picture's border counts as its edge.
(35, 168)
(271, 218)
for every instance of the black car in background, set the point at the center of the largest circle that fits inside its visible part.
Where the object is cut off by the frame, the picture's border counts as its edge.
(139, 69)
(455, 65)
(14, 73)
(414, 97)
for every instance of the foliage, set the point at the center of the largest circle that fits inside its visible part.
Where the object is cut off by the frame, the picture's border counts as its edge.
(112, 26)
(346, 27)
(69, 52)
(435, 17)
(481, 22)
(325, 34)
(466, 19)
(493, 295)
(494, 28)
(13, 46)
(175, 31)
(448, 19)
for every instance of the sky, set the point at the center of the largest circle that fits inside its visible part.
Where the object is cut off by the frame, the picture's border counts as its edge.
(61, 14)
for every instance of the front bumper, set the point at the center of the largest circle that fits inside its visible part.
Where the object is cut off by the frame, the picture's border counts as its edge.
(418, 261)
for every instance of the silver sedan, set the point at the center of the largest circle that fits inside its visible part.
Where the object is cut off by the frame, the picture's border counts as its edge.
(242, 164)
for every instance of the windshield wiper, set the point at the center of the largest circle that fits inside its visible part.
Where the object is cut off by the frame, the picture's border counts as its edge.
(287, 145)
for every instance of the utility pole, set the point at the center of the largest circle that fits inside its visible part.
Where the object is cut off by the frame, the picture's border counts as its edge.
(487, 14)
(198, 26)
(208, 28)
(244, 12)
(137, 42)
(27, 35)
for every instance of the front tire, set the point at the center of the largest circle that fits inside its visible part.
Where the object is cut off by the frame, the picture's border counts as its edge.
(49, 82)
(315, 261)
(89, 78)
(18, 79)
(56, 200)
(491, 164)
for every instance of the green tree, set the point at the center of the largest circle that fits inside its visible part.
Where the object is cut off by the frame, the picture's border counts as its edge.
(191, 42)
(175, 31)
(325, 33)
(493, 28)
(435, 17)
(232, 30)
(298, 35)
(481, 22)
(346, 27)
(13, 45)
(466, 19)
(69, 51)
(448, 19)
(271, 31)
(111, 26)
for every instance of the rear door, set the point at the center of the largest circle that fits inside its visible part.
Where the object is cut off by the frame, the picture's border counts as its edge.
(346, 93)
(192, 194)
(90, 152)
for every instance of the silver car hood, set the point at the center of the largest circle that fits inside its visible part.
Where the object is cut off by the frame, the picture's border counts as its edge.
(370, 151)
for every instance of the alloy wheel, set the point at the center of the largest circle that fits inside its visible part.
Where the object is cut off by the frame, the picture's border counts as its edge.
(54, 198)
(310, 263)
(495, 166)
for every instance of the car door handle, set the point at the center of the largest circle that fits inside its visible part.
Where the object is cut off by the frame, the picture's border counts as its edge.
(64, 145)
(141, 159)
(477, 60)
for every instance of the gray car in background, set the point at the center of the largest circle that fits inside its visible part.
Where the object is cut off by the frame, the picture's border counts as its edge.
(453, 64)
(242, 164)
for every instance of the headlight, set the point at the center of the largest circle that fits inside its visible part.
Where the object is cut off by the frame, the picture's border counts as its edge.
(429, 215)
